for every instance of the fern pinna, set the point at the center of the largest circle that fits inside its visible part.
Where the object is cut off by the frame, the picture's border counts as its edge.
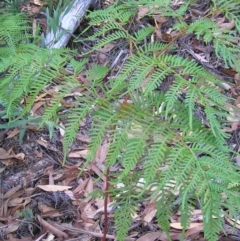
(167, 138)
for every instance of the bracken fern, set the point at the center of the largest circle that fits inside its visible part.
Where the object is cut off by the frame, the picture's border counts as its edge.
(167, 151)
(182, 157)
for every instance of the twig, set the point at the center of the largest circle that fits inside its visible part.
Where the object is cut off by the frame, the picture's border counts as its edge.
(79, 230)
(117, 58)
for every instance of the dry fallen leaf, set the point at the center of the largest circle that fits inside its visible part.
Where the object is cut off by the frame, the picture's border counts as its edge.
(50, 176)
(49, 211)
(178, 225)
(41, 238)
(160, 19)
(53, 188)
(9, 193)
(99, 202)
(13, 133)
(194, 230)
(229, 25)
(38, 153)
(78, 154)
(36, 108)
(234, 126)
(15, 201)
(165, 37)
(83, 138)
(149, 216)
(67, 103)
(107, 48)
(2, 169)
(70, 194)
(150, 236)
(81, 186)
(91, 213)
(47, 145)
(177, 2)
(12, 228)
(158, 33)
(9, 154)
(96, 170)
(20, 156)
(142, 12)
(67, 180)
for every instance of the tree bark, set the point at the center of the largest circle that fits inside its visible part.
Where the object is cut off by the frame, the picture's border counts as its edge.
(68, 22)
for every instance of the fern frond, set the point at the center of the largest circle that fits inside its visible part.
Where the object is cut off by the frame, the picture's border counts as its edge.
(112, 37)
(152, 47)
(53, 107)
(164, 209)
(215, 125)
(123, 217)
(201, 27)
(156, 157)
(14, 30)
(222, 42)
(103, 119)
(78, 66)
(134, 150)
(186, 208)
(212, 219)
(227, 51)
(117, 143)
(143, 33)
(75, 116)
(229, 9)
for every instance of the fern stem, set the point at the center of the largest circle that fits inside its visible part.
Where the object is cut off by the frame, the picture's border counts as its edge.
(106, 201)
(105, 206)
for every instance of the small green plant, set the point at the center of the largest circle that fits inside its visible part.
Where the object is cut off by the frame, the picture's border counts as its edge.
(13, 6)
(27, 214)
(56, 4)
(26, 69)
(156, 136)
(55, 17)
(24, 123)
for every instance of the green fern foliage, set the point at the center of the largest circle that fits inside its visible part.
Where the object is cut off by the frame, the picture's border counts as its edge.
(14, 30)
(184, 155)
(27, 69)
(124, 215)
(166, 138)
(229, 9)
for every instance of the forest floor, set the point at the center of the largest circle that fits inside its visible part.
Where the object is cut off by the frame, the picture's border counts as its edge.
(41, 199)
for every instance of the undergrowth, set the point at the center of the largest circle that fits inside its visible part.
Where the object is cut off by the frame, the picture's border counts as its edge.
(168, 152)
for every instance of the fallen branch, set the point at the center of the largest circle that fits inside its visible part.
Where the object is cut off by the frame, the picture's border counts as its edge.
(69, 20)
